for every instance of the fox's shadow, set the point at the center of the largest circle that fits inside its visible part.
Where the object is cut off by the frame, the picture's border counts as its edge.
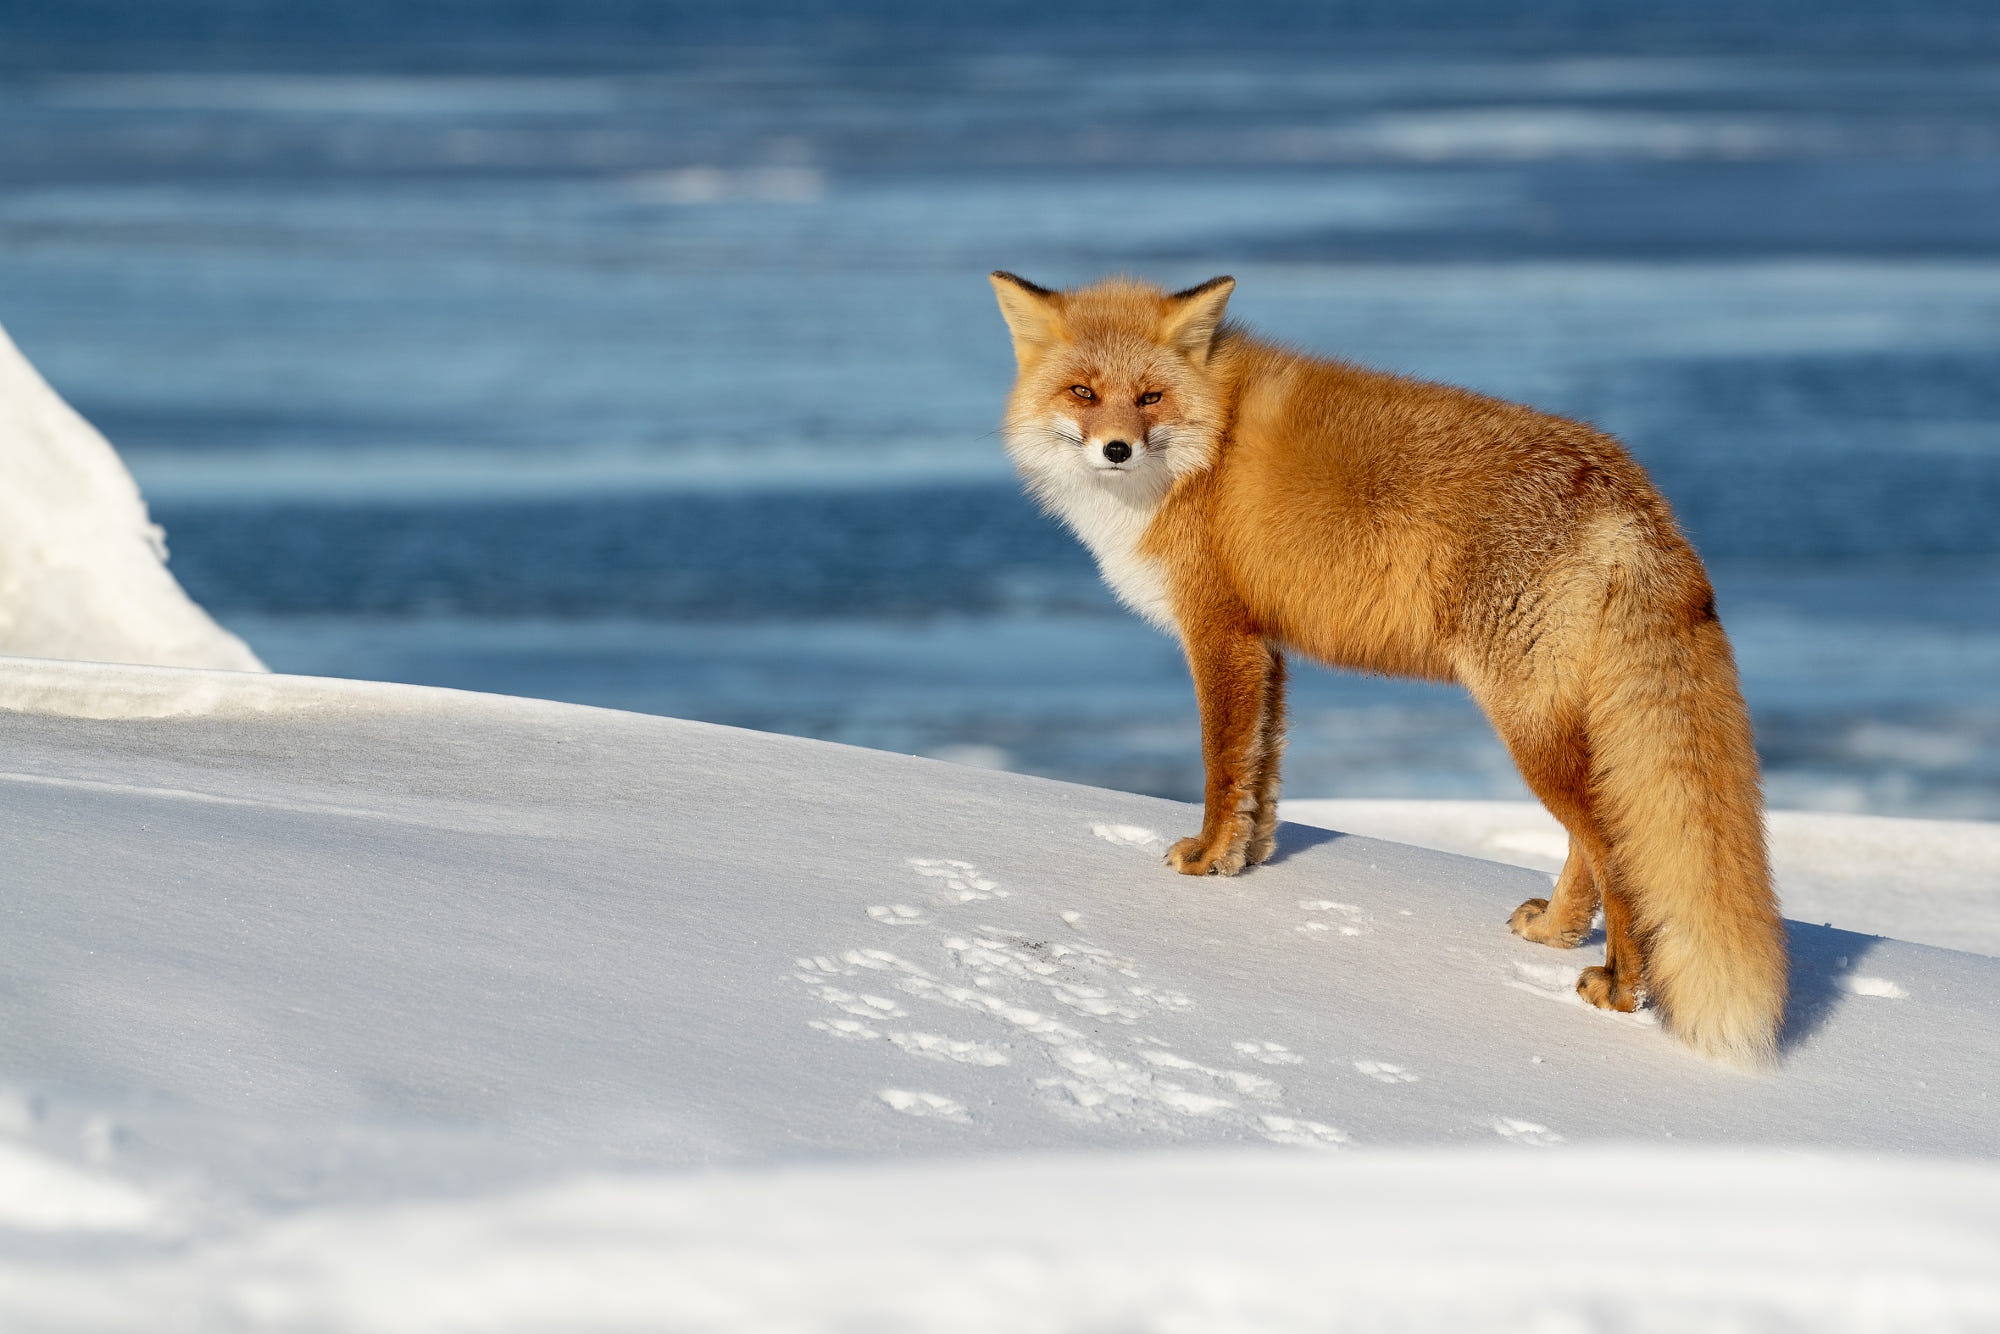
(1822, 956)
(1294, 839)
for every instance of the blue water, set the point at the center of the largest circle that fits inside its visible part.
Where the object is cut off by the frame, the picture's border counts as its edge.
(664, 375)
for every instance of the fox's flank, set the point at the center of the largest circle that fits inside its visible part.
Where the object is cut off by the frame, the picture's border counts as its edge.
(1256, 502)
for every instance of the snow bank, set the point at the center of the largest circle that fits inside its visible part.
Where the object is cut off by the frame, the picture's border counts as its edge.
(1932, 881)
(1194, 1241)
(82, 569)
(344, 1006)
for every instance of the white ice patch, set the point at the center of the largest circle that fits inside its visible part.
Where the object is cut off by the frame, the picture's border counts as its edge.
(1130, 836)
(897, 914)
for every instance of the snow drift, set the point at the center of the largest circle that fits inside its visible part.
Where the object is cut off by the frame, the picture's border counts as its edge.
(338, 1006)
(82, 569)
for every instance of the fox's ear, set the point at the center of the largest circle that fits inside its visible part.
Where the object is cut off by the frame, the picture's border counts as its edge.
(1193, 315)
(1030, 311)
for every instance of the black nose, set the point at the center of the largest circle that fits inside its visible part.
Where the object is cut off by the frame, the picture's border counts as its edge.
(1117, 451)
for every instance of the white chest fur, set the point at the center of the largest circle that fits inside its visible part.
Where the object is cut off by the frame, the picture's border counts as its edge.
(1111, 519)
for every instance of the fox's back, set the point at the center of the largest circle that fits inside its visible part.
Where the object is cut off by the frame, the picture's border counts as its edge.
(1358, 513)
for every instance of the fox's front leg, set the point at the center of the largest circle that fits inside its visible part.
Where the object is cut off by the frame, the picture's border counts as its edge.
(1271, 741)
(1236, 686)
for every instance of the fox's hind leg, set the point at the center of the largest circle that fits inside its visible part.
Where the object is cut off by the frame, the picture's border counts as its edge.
(1615, 986)
(1271, 754)
(1556, 767)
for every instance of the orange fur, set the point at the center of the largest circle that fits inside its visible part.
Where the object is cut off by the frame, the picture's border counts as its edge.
(1258, 501)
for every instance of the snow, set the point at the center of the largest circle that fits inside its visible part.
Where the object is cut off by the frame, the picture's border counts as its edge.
(1189, 1241)
(82, 569)
(1932, 881)
(343, 1006)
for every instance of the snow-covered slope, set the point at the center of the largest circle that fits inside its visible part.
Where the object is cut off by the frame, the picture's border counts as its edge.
(82, 570)
(1932, 881)
(346, 1006)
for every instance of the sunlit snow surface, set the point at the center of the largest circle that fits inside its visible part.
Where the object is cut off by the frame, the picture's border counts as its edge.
(342, 1006)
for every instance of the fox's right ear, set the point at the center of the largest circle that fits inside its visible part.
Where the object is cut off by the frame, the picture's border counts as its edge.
(1032, 313)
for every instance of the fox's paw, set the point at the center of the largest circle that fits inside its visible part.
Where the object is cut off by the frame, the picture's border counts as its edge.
(1191, 856)
(1533, 921)
(1260, 849)
(1607, 990)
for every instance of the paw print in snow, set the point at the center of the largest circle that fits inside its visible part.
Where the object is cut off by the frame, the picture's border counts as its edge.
(962, 881)
(1525, 1132)
(1130, 836)
(1385, 1073)
(1268, 1053)
(915, 1103)
(1299, 1133)
(1339, 919)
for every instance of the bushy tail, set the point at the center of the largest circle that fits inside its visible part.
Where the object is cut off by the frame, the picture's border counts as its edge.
(1675, 787)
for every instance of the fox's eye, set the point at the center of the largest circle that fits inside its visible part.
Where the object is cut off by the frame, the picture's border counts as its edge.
(1081, 391)
(1147, 400)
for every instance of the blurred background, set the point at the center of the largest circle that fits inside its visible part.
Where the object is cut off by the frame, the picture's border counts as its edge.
(641, 354)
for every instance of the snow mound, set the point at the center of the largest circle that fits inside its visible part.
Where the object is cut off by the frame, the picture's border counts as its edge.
(82, 570)
(341, 1006)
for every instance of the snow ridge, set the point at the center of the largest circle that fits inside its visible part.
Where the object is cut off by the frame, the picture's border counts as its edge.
(82, 569)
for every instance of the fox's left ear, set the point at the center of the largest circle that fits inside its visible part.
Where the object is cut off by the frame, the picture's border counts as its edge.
(1031, 312)
(1193, 316)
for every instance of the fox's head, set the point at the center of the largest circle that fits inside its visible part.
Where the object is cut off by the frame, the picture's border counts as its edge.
(1116, 389)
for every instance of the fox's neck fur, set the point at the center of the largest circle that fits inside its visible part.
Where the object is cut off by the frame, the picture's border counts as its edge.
(1111, 516)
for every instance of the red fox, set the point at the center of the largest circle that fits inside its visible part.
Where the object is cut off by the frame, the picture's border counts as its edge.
(1257, 501)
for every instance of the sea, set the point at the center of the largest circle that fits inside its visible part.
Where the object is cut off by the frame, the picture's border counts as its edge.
(643, 356)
